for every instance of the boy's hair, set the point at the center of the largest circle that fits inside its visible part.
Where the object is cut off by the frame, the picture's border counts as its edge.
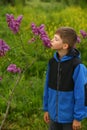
(68, 35)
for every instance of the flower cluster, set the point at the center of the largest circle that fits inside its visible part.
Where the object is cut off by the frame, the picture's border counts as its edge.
(78, 39)
(3, 48)
(83, 34)
(13, 68)
(13, 24)
(40, 31)
(0, 78)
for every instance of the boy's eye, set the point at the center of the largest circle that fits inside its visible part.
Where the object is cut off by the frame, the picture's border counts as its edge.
(56, 39)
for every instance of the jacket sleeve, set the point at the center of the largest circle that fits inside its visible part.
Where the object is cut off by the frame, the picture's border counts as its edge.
(80, 81)
(45, 94)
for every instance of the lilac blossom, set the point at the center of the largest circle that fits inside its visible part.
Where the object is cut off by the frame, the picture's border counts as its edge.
(34, 29)
(78, 39)
(45, 40)
(83, 33)
(0, 78)
(14, 24)
(13, 68)
(3, 47)
(40, 31)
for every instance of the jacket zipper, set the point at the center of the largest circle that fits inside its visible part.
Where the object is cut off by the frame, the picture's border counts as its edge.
(58, 82)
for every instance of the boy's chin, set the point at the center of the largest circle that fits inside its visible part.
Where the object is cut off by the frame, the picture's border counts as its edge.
(53, 48)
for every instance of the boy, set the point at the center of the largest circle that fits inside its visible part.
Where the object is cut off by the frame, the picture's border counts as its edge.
(65, 100)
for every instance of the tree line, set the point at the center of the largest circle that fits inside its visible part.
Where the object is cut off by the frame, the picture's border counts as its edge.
(82, 3)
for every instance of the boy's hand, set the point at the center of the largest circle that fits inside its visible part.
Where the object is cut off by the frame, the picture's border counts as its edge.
(46, 117)
(76, 125)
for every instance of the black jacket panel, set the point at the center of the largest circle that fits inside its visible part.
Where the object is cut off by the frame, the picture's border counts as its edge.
(61, 78)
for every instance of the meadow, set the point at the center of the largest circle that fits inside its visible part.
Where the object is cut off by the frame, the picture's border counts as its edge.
(25, 112)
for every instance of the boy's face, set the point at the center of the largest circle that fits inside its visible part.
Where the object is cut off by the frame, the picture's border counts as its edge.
(57, 43)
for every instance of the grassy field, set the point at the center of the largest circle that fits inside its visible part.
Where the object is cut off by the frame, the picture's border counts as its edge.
(26, 107)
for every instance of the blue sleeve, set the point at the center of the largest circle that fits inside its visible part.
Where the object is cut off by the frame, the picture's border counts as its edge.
(45, 95)
(80, 80)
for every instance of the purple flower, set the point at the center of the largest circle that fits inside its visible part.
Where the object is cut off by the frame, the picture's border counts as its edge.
(19, 19)
(83, 33)
(0, 78)
(13, 24)
(45, 40)
(13, 68)
(3, 47)
(40, 31)
(78, 39)
(34, 29)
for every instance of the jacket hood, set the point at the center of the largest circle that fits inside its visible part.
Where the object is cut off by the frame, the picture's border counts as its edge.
(72, 53)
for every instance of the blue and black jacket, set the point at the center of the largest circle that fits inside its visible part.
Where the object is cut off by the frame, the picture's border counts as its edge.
(65, 92)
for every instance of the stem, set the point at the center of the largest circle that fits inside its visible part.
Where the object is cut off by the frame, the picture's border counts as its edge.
(9, 102)
(11, 95)
(22, 45)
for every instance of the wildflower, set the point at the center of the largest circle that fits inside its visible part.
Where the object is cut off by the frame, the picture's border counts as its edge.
(34, 29)
(3, 47)
(13, 24)
(0, 78)
(78, 39)
(46, 41)
(83, 33)
(13, 68)
(40, 31)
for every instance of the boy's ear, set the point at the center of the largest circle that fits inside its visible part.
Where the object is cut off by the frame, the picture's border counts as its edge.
(65, 46)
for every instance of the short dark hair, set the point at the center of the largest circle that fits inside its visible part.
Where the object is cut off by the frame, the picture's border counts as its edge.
(68, 35)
